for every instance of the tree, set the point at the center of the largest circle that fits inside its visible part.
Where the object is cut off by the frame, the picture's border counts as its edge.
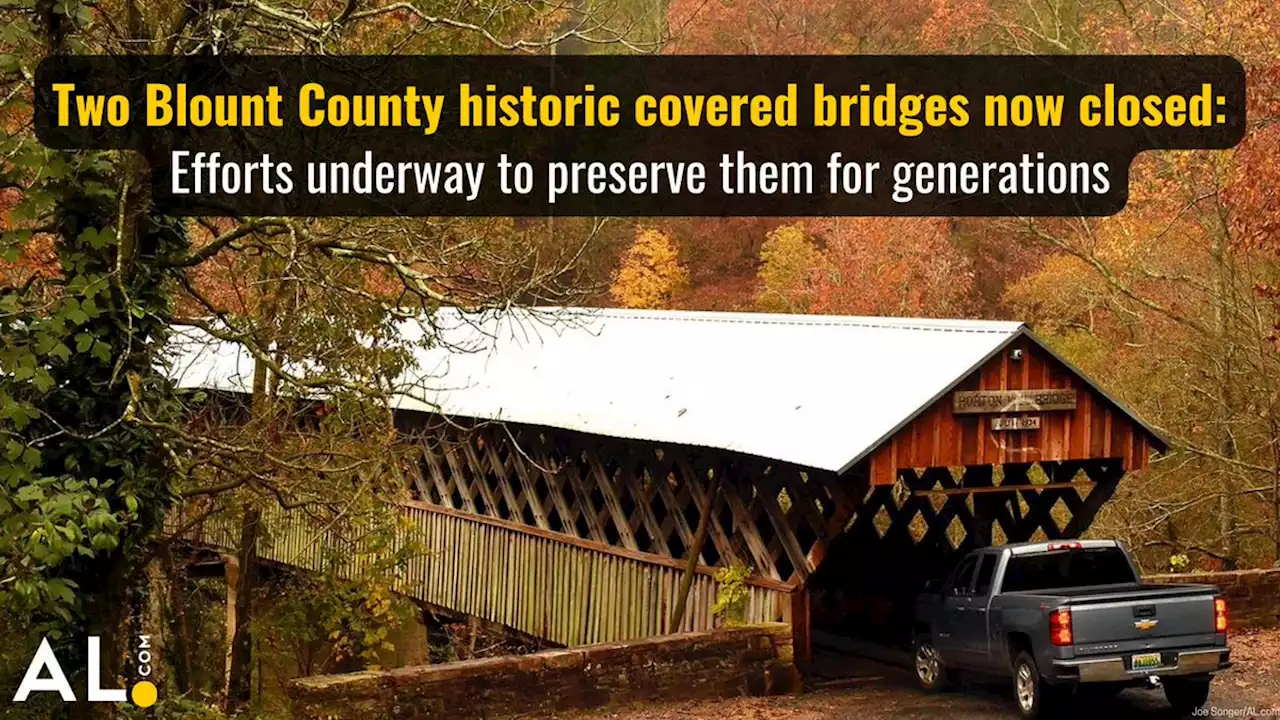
(84, 485)
(789, 270)
(1154, 304)
(861, 266)
(1160, 300)
(808, 27)
(724, 254)
(723, 259)
(891, 266)
(650, 275)
(1250, 190)
(98, 445)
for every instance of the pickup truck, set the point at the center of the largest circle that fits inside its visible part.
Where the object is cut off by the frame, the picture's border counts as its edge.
(1060, 616)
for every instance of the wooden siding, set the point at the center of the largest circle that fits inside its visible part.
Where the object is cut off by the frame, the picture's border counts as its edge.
(1096, 429)
(565, 590)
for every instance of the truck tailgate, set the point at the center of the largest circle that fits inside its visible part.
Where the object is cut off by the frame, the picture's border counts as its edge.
(1145, 617)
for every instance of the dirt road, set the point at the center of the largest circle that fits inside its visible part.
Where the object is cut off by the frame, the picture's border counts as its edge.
(1249, 690)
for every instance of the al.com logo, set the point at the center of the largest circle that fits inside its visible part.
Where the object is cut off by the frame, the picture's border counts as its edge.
(45, 674)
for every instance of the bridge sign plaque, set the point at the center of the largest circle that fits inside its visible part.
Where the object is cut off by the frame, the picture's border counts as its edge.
(1012, 401)
(1016, 423)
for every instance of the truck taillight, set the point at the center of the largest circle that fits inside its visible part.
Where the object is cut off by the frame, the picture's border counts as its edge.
(1220, 615)
(1064, 546)
(1060, 627)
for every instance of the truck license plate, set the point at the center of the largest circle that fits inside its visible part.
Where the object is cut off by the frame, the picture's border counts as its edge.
(1146, 661)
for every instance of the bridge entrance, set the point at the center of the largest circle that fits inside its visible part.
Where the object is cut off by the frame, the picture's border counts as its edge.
(916, 530)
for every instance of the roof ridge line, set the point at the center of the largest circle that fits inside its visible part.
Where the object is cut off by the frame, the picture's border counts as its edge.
(800, 319)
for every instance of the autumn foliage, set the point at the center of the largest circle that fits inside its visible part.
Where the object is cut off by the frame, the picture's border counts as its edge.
(651, 274)
(790, 266)
(806, 27)
(1173, 304)
(860, 266)
(898, 266)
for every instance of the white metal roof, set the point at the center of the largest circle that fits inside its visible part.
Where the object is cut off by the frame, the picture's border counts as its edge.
(818, 391)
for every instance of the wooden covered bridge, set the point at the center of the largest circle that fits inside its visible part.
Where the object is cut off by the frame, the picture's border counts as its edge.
(567, 460)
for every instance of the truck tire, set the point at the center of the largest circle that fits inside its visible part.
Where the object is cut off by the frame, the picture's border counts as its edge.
(931, 674)
(1186, 695)
(1034, 697)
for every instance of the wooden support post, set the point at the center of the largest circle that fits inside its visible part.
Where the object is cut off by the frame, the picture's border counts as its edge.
(699, 538)
(801, 628)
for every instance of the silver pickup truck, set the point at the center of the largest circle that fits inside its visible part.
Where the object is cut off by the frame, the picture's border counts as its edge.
(1058, 616)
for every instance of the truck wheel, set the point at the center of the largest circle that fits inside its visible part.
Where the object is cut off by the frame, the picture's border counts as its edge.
(1034, 697)
(930, 672)
(1186, 695)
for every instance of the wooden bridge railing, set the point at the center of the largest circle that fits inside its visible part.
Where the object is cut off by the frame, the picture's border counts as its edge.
(560, 588)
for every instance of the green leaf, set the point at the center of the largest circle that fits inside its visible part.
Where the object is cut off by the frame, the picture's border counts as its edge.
(18, 414)
(45, 343)
(43, 380)
(60, 351)
(30, 493)
(60, 590)
(97, 239)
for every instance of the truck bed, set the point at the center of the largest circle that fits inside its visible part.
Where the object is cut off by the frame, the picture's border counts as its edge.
(1133, 617)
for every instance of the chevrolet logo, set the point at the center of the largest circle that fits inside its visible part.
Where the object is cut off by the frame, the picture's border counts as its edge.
(1145, 624)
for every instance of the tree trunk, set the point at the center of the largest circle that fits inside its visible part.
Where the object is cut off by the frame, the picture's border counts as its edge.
(1275, 490)
(107, 617)
(1223, 287)
(240, 654)
(178, 653)
(473, 631)
(151, 613)
(239, 680)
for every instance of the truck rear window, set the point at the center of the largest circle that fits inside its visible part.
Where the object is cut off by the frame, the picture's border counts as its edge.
(1067, 568)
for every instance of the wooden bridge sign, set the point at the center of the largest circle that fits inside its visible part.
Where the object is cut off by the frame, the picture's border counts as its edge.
(1011, 401)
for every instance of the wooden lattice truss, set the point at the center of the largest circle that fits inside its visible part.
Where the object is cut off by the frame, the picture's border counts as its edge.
(955, 511)
(776, 518)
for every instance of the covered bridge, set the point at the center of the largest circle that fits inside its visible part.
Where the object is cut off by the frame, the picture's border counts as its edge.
(568, 456)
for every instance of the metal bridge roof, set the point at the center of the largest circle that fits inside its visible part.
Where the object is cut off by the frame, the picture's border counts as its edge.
(818, 391)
